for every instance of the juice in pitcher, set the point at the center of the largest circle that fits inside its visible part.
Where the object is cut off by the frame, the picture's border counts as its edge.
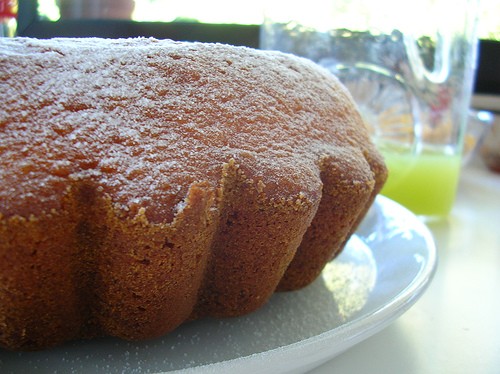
(425, 183)
(409, 69)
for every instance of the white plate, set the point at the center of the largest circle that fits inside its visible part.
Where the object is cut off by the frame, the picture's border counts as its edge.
(383, 270)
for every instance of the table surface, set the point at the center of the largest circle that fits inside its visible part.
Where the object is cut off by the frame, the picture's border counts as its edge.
(455, 326)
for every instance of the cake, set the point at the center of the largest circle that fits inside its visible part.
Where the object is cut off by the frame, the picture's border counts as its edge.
(147, 183)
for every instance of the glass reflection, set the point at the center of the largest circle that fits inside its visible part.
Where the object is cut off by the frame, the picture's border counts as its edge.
(351, 277)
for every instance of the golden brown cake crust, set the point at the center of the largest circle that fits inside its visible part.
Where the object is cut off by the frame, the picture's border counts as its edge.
(146, 183)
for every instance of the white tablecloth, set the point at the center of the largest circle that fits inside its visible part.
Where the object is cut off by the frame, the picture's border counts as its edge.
(455, 327)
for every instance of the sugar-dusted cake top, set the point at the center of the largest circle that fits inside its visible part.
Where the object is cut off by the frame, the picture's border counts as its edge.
(143, 119)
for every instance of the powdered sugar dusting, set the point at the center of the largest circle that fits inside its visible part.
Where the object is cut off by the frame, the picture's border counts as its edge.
(144, 119)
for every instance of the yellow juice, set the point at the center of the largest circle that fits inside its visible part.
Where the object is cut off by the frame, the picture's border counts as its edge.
(425, 183)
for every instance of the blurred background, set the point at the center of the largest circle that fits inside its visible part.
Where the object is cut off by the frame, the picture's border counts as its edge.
(226, 21)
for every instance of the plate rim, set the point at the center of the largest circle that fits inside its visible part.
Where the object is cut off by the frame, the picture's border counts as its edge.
(379, 319)
(307, 352)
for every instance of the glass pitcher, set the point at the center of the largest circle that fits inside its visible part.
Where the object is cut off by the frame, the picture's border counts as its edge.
(409, 66)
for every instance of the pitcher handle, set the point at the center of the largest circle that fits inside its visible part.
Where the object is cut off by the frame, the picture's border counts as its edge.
(441, 70)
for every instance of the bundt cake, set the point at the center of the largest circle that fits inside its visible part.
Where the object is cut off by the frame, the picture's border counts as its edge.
(146, 183)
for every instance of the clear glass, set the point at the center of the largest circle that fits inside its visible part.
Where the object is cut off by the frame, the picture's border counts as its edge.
(409, 67)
